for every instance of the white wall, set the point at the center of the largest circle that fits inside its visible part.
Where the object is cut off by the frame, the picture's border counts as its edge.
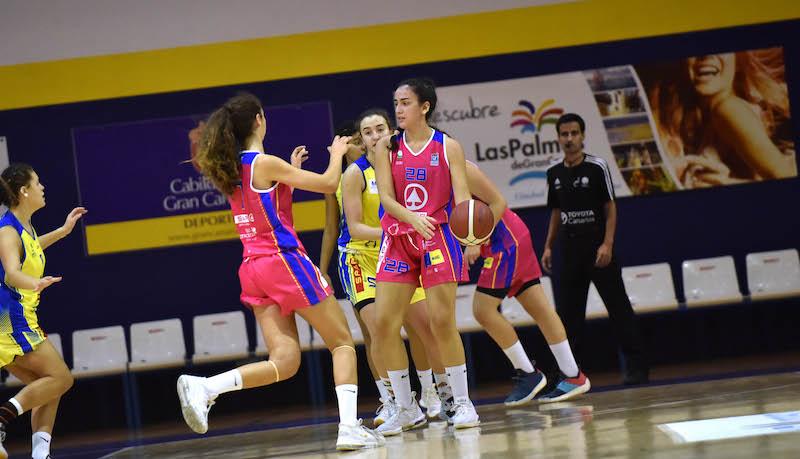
(44, 30)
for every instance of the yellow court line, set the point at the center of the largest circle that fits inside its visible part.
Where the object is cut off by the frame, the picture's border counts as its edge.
(319, 53)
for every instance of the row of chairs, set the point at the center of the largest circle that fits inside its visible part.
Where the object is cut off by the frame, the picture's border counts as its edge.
(223, 336)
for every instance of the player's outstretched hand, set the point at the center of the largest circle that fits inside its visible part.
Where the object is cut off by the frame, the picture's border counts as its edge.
(45, 282)
(299, 156)
(73, 217)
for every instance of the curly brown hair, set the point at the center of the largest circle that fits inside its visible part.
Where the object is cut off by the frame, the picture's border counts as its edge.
(224, 134)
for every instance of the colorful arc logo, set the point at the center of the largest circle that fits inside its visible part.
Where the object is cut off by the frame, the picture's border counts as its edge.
(532, 120)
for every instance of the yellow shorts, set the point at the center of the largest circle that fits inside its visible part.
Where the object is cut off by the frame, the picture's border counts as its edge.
(11, 347)
(357, 274)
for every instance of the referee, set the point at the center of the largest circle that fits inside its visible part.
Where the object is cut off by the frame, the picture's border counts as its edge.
(581, 198)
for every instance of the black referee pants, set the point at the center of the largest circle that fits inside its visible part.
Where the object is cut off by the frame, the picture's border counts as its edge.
(577, 272)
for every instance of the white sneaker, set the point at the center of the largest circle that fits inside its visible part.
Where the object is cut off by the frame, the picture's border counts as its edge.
(430, 401)
(3, 452)
(385, 411)
(445, 393)
(195, 402)
(403, 419)
(465, 415)
(357, 437)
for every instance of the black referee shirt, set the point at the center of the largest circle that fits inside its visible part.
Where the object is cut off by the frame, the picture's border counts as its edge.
(580, 192)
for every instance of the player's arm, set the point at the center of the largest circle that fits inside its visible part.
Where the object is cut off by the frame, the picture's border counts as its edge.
(458, 173)
(482, 188)
(329, 233)
(10, 252)
(383, 175)
(269, 169)
(352, 187)
(46, 240)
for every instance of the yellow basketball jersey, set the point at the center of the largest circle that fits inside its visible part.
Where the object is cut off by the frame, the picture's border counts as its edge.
(370, 214)
(18, 306)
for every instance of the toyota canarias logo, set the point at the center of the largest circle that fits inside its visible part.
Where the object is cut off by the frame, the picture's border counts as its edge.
(529, 119)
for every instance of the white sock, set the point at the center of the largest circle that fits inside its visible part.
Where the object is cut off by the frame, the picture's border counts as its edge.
(401, 386)
(224, 382)
(41, 445)
(457, 376)
(425, 378)
(440, 378)
(384, 393)
(16, 404)
(565, 359)
(348, 401)
(517, 356)
(387, 384)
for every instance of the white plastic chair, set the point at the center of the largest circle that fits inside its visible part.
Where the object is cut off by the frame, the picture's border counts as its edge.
(309, 338)
(99, 351)
(219, 337)
(773, 274)
(55, 340)
(261, 345)
(710, 281)
(650, 287)
(517, 315)
(352, 321)
(595, 308)
(157, 344)
(465, 319)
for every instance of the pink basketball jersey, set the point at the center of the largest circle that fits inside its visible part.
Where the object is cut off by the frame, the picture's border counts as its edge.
(421, 182)
(262, 217)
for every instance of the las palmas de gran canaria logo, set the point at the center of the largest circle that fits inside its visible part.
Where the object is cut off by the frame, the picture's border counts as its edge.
(530, 120)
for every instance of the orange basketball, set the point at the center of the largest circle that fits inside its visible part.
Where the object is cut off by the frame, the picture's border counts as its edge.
(471, 222)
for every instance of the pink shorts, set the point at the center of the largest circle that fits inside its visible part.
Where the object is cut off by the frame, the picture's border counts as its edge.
(510, 268)
(288, 279)
(409, 258)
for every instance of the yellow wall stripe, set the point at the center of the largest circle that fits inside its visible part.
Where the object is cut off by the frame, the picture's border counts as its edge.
(318, 53)
(188, 229)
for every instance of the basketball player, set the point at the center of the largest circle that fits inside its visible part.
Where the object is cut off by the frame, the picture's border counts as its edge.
(358, 242)
(25, 350)
(277, 277)
(511, 269)
(419, 172)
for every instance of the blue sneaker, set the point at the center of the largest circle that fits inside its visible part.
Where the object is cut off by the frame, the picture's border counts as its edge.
(567, 388)
(526, 386)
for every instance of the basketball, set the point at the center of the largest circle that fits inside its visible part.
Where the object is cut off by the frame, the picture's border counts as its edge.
(471, 222)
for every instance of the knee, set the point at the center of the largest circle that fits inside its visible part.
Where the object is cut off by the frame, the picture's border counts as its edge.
(65, 381)
(287, 362)
(482, 313)
(442, 320)
(387, 325)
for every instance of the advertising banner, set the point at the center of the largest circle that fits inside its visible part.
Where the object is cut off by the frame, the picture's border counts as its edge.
(142, 190)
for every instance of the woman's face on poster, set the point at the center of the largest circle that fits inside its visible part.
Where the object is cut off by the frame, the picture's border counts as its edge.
(713, 73)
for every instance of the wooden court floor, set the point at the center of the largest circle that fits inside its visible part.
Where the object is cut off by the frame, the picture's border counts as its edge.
(625, 423)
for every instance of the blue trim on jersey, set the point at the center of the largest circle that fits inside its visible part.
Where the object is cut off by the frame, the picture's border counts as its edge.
(511, 261)
(344, 276)
(286, 241)
(296, 264)
(363, 163)
(16, 314)
(499, 236)
(344, 230)
(438, 136)
(454, 248)
(9, 219)
(248, 157)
